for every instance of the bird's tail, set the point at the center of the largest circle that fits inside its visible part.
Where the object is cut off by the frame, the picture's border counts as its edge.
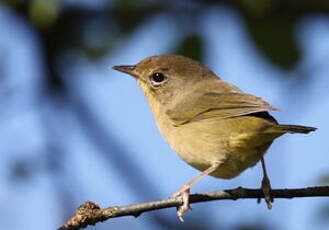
(294, 128)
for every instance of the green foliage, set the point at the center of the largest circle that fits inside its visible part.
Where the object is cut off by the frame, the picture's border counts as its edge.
(275, 38)
(191, 46)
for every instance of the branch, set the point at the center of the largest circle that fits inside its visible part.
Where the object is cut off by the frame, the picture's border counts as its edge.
(90, 213)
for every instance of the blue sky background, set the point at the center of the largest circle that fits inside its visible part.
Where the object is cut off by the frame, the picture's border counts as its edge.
(120, 107)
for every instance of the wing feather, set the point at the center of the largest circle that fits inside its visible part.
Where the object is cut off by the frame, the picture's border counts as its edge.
(212, 104)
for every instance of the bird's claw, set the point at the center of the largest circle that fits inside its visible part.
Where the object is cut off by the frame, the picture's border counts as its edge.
(266, 187)
(184, 193)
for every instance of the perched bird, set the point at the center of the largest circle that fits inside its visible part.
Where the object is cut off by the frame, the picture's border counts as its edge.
(211, 124)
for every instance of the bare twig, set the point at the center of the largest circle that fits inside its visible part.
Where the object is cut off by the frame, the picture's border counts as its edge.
(90, 213)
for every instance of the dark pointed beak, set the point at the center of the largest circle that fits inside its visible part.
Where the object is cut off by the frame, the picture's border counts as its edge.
(129, 69)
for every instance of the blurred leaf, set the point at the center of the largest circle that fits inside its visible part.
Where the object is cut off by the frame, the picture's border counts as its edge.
(127, 3)
(274, 36)
(13, 3)
(259, 8)
(191, 46)
(128, 18)
(44, 13)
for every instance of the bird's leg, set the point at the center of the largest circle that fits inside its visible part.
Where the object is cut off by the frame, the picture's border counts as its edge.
(266, 186)
(184, 192)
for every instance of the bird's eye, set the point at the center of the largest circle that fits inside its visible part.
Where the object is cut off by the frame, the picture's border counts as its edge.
(157, 79)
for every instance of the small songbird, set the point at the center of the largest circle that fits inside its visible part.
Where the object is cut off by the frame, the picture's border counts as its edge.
(212, 125)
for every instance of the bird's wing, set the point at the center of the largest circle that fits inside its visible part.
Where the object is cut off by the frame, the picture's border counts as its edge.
(212, 104)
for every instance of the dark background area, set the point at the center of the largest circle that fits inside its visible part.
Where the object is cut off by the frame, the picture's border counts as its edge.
(74, 130)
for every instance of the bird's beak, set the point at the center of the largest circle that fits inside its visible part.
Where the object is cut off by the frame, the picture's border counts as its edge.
(129, 69)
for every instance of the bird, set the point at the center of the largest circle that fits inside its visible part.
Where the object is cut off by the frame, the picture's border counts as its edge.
(211, 124)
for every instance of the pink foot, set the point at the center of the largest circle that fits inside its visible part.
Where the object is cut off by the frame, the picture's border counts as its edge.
(184, 193)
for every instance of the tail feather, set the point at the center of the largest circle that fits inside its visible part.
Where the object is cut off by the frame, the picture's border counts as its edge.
(295, 128)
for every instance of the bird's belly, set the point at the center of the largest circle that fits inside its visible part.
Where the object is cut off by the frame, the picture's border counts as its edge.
(233, 161)
(200, 149)
(233, 166)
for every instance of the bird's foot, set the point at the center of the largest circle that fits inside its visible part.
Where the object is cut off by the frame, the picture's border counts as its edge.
(184, 193)
(266, 187)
